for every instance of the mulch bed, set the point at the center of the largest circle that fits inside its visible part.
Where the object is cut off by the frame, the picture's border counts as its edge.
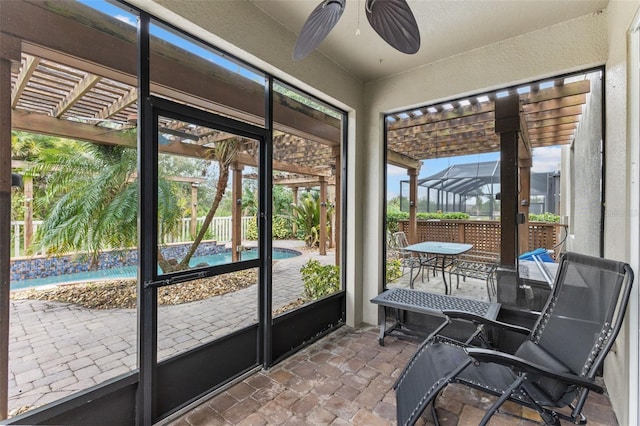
(122, 294)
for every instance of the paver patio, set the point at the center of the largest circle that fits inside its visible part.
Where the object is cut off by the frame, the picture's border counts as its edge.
(60, 348)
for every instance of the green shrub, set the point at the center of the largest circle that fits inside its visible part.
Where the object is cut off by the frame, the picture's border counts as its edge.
(252, 230)
(306, 215)
(394, 270)
(544, 217)
(320, 280)
(281, 229)
(450, 216)
(394, 217)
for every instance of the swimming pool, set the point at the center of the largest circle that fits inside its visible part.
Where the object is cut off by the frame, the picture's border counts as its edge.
(131, 271)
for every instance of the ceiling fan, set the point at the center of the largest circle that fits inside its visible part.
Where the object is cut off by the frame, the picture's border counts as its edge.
(391, 19)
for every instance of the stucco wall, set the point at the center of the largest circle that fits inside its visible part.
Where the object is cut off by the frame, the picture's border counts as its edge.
(621, 368)
(573, 45)
(585, 200)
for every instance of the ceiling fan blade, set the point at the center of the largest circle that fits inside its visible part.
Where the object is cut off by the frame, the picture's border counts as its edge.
(395, 23)
(321, 21)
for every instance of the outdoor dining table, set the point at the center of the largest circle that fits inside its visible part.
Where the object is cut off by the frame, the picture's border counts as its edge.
(439, 250)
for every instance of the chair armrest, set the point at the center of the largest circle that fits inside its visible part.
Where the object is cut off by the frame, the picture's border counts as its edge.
(477, 320)
(517, 363)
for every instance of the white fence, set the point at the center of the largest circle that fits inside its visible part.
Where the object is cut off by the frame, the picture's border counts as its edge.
(220, 230)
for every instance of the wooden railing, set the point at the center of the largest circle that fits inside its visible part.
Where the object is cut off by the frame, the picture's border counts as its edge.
(484, 235)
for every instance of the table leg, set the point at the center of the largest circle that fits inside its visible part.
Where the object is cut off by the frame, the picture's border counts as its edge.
(383, 326)
(412, 279)
(444, 276)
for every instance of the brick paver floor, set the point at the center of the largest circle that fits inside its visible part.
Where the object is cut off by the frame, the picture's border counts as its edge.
(346, 378)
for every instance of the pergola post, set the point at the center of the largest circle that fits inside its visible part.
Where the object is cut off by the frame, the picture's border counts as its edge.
(9, 51)
(337, 211)
(236, 212)
(28, 210)
(413, 205)
(523, 205)
(331, 196)
(507, 125)
(525, 162)
(294, 225)
(323, 216)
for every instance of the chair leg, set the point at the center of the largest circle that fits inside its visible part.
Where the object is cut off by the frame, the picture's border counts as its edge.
(503, 398)
(434, 414)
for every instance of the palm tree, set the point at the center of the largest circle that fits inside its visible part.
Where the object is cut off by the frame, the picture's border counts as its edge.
(92, 199)
(26, 146)
(224, 153)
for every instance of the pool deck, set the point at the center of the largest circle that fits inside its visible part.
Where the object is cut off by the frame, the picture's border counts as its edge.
(56, 348)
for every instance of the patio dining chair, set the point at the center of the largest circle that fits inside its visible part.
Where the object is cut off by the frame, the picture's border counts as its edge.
(409, 259)
(556, 365)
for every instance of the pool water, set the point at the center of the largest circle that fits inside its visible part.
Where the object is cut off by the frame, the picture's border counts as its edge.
(131, 271)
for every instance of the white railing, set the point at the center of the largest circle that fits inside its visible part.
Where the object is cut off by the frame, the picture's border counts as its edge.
(17, 236)
(220, 230)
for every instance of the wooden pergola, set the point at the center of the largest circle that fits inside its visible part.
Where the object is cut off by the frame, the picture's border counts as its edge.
(87, 91)
(509, 122)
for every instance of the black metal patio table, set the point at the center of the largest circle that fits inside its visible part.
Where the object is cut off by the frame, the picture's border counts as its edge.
(404, 299)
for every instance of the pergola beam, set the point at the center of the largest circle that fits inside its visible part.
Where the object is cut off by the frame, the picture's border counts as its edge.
(208, 86)
(558, 91)
(401, 160)
(125, 101)
(25, 74)
(557, 103)
(470, 129)
(83, 86)
(444, 116)
(42, 124)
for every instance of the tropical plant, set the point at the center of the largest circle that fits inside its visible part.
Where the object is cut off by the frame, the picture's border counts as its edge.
(27, 146)
(320, 280)
(306, 215)
(282, 199)
(91, 199)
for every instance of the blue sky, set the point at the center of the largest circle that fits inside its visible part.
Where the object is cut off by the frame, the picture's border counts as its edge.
(131, 19)
(544, 160)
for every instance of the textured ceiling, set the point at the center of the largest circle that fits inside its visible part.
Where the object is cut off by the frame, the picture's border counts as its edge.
(447, 28)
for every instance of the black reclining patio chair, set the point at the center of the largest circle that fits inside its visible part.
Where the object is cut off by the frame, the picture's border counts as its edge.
(554, 367)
